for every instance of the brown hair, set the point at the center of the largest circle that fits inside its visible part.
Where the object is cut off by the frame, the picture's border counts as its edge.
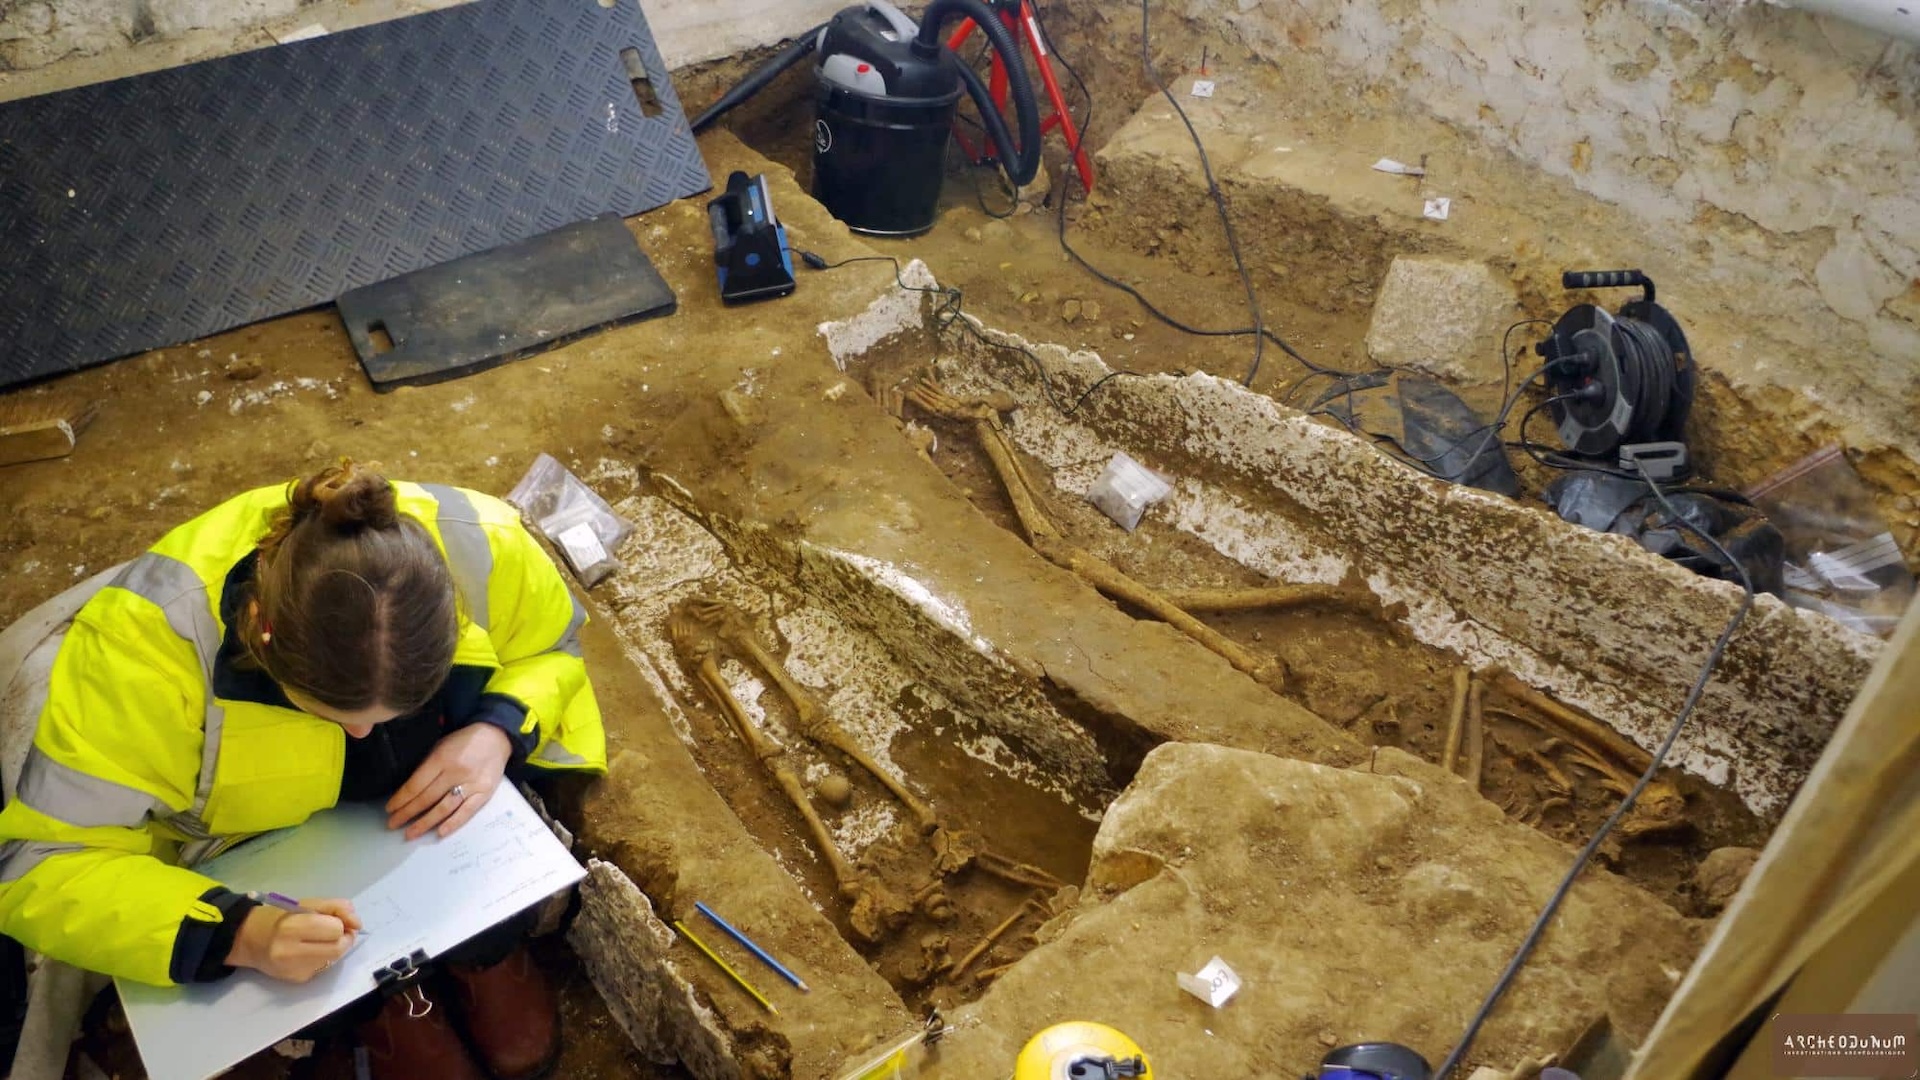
(356, 604)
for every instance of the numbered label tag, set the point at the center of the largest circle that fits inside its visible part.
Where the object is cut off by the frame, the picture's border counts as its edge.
(1214, 984)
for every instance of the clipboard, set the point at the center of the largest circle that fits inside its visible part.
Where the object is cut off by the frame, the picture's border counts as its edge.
(417, 900)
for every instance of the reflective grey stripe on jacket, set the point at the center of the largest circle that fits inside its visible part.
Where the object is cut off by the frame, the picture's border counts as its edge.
(469, 554)
(569, 642)
(79, 798)
(176, 590)
(17, 857)
(551, 752)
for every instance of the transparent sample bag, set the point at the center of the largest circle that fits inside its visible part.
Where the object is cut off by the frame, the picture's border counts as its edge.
(1841, 558)
(568, 513)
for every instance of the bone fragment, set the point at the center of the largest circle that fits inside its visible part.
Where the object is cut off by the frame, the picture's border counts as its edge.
(1274, 598)
(987, 942)
(1591, 735)
(1456, 717)
(1476, 734)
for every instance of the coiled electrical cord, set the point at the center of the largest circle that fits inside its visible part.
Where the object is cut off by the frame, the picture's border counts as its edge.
(1642, 396)
(1646, 351)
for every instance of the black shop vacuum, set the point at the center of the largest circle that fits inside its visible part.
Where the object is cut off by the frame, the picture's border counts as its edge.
(885, 95)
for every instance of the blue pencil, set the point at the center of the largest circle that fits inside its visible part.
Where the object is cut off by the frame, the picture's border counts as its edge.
(748, 942)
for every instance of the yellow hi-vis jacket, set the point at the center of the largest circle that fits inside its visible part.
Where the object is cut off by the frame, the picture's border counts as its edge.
(136, 761)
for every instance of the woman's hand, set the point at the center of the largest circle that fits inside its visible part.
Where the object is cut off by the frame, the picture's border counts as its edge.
(474, 759)
(294, 946)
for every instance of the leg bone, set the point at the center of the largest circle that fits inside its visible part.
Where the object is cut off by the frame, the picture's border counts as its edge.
(999, 450)
(694, 642)
(815, 723)
(1102, 576)
(1476, 734)
(1017, 872)
(1276, 598)
(1589, 734)
(1046, 538)
(1456, 717)
(993, 935)
(845, 879)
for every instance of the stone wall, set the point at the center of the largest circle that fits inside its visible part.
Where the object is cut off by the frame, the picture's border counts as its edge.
(1760, 139)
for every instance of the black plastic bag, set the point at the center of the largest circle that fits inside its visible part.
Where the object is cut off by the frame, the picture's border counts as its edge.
(1616, 504)
(1433, 429)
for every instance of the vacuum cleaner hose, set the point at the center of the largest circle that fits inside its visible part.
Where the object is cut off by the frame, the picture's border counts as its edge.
(1026, 153)
(756, 82)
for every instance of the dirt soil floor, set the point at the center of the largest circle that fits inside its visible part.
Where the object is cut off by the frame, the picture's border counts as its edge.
(183, 427)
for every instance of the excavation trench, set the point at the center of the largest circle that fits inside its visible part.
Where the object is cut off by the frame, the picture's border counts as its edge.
(827, 560)
(869, 548)
(1011, 781)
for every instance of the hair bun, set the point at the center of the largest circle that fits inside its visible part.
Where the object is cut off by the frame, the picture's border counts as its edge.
(348, 496)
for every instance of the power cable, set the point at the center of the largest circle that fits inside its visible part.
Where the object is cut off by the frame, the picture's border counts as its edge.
(1489, 432)
(1600, 835)
(1259, 331)
(980, 196)
(1213, 189)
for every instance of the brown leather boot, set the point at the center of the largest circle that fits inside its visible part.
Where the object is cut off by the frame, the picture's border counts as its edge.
(414, 1037)
(512, 1016)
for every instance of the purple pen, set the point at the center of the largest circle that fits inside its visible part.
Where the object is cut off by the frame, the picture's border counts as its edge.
(287, 903)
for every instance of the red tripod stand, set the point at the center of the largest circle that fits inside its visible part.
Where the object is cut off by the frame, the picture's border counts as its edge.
(1020, 21)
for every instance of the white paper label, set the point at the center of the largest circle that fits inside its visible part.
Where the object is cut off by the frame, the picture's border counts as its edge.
(582, 546)
(1203, 88)
(1214, 984)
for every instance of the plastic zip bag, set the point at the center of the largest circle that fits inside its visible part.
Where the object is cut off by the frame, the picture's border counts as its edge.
(1126, 489)
(1841, 558)
(570, 515)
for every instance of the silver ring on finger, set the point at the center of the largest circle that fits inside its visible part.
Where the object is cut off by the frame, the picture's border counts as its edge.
(459, 791)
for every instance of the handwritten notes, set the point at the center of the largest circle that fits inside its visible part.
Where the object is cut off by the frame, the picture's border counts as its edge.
(431, 894)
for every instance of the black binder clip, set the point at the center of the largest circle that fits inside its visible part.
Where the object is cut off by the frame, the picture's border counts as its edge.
(401, 975)
(749, 243)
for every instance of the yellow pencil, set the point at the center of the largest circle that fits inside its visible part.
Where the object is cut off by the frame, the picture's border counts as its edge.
(724, 966)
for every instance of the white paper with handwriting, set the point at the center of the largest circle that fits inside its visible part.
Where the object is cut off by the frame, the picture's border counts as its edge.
(431, 895)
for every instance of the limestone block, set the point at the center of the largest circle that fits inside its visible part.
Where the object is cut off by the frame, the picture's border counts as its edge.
(623, 946)
(1442, 316)
(1366, 903)
(1720, 875)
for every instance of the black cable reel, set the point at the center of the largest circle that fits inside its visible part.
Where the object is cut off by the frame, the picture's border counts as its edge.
(1622, 384)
